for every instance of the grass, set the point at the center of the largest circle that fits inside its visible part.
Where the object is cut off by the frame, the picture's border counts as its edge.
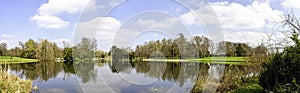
(252, 86)
(12, 60)
(211, 60)
(13, 84)
(227, 59)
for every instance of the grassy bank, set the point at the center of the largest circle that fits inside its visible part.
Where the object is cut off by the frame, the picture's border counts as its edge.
(10, 60)
(227, 59)
(13, 84)
(252, 86)
(212, 60)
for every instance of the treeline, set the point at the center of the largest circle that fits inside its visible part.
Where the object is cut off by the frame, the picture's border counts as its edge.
(181, 47)
(241, 49)
(45, 50)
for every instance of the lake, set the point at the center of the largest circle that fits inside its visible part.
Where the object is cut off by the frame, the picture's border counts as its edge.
(120, 77)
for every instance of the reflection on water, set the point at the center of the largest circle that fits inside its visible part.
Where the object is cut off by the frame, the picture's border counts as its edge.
(120, 77)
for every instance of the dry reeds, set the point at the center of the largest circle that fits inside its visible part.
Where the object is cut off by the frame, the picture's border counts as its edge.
(13, 84)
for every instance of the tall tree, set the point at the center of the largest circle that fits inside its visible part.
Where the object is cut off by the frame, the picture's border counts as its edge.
(45, 51)
(30, 49)
(3, 49)
(85, 50)
(240, 50)
(57, 51)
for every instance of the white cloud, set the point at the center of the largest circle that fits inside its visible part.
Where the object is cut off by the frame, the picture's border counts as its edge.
(49, 21)
(246, 37)
(237, 16)
(7, 36)
(203, 14)
(150, 23)
(55, 7)
(291, 3)
(48, 13)
(234, 15)
(189, 18)
(103, 28)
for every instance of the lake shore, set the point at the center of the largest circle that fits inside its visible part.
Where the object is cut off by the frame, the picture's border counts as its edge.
(211, 60)
(13, 60)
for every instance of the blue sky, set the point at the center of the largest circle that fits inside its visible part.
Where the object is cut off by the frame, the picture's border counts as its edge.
(63, 20)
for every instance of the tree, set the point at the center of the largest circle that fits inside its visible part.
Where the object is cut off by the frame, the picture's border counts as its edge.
(260, 50)
(240, 50)
(118, 54)
(30, 49)
(67, 55)
(3, 49)
(57, 51)
(282, 72)
(165, 48)
(85, 50)
(181, 43)
(45, 51)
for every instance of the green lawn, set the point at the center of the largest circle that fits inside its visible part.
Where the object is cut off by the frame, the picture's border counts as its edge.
(250, 87)
(10, 60)
(212, 60)
(227, 59)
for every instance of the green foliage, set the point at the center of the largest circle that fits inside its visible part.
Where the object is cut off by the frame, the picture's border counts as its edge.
(85, 50)
(180, 47)
(30, 49)
(249, 87)
(45, 51)
(3, 49)
(282, 72)
(240, 50)
(118, 54)
(67, 55)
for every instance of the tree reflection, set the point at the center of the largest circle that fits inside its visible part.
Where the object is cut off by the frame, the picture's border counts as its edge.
(167, 71)
(43, 70)
(86, 71)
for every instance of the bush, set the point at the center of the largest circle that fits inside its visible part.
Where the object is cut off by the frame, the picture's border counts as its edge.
(282, 73)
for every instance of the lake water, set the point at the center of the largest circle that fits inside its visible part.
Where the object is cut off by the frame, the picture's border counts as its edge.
(120, 77)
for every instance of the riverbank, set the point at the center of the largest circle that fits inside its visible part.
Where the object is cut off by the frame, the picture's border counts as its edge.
(211, 60)
(12, 60)
(13, 84)
(252, 86)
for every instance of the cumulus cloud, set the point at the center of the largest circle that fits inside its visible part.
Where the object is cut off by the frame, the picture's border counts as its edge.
(237, 16)
(150, 23)
(189, 19)
(102, 28)
(55, 7)
(48, 13)
(47, 21)
(234, 15)
(245, 37)
(291, 3)
(240, 23)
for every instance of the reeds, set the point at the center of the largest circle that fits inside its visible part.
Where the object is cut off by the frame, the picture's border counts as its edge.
(13, 84)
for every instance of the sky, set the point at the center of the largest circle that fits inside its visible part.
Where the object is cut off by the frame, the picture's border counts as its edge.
(132, 22)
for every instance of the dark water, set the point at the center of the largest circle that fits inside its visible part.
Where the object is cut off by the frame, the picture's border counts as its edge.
(120, 77)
